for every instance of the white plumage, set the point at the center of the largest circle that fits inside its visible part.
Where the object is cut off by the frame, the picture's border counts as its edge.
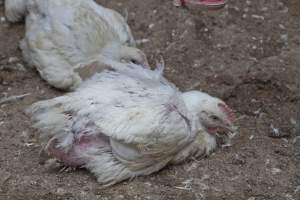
(62, 35)
(128, 122)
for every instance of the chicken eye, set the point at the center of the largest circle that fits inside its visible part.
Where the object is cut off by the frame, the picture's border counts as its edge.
(134, 61)
(215, 118)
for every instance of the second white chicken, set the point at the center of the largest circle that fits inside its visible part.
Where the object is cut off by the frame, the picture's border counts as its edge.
(62, 35)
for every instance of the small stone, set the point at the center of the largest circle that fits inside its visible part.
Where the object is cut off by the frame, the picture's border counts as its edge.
(258, 17)
(60, 191)
(277, 133)
(25, 136)
(20, 67)
(148, 183)
(275, 171)
(13, 60)
(281, 26)
(295, 139)
(284, 37)
(151, 26)
(293, 121)
(238, 160)
(2, 19)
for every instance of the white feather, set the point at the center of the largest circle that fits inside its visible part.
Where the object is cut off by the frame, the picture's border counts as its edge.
(143, 115)
(62, 34)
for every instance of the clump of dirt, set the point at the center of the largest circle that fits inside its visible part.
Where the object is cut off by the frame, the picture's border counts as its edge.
(247, 53)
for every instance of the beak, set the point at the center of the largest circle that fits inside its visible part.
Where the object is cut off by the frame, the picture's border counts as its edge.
(228, 128)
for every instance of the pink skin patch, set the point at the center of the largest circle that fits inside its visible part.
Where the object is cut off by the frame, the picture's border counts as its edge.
(69, 158)
(213, 130)
(73, 157)
(230, 114)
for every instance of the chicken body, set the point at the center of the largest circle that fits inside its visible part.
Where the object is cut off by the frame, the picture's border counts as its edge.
(125, 123)
(62, 35)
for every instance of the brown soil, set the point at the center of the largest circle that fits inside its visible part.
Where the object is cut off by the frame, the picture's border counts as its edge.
(248, 54)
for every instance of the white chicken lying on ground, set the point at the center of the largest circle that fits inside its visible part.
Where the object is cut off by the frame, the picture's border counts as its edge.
(62, 35)
(129, 122)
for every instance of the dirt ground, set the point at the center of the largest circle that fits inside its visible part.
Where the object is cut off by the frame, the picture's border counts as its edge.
(247, 54)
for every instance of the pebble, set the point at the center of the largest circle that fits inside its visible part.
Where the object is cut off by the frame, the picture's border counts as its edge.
(60, 191)
(13, 59)
(151, 26)
(25, 136)
(2, 19)
(148, 184)
(20, 67)
(276, 133)
(238, 160)
(293, 121)
(258, 17)
(281, 26)
(284, 37)
(275, 171)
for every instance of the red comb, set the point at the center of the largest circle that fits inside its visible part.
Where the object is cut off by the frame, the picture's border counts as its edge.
(228, 111)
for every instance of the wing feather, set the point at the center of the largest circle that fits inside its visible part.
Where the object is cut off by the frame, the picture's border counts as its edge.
(133, 106)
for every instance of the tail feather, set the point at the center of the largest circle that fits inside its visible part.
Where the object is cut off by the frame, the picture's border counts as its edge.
(51, 119)
(15, 10)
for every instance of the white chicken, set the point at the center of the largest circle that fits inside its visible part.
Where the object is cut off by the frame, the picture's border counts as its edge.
(62, 35)
(129, 122)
